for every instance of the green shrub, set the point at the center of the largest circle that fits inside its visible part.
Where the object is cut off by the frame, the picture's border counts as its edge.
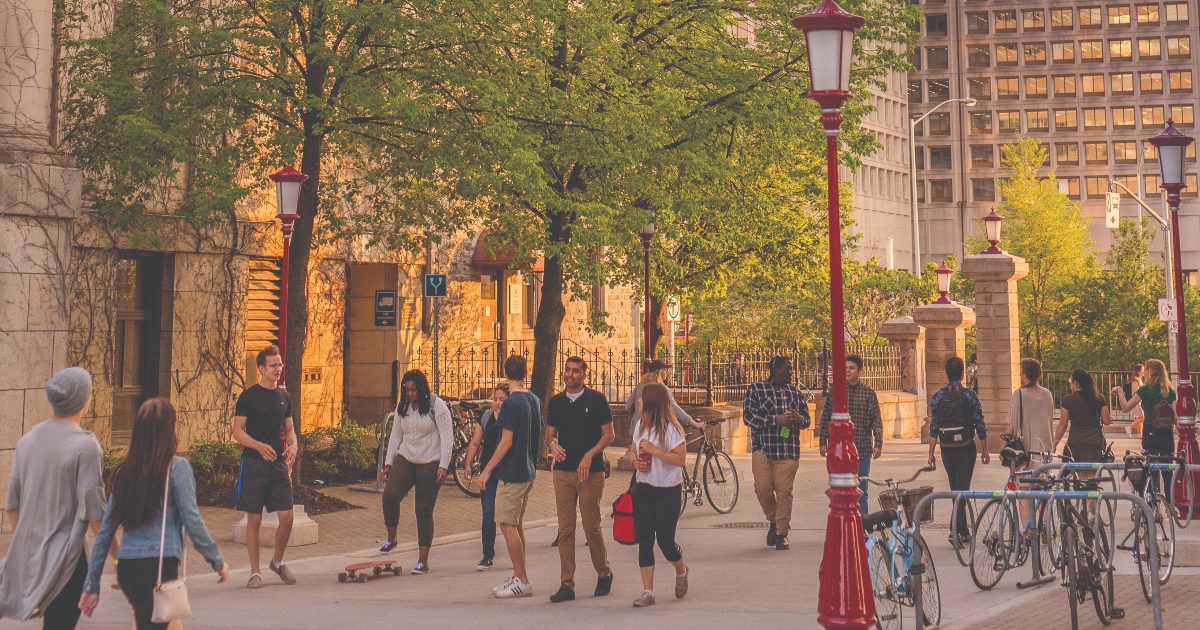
(216, 466)
(341, 454)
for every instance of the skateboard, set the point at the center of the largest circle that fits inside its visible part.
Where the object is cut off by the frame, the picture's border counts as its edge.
(359, 572)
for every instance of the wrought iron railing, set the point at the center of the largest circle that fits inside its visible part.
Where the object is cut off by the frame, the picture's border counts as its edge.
(1057, 381)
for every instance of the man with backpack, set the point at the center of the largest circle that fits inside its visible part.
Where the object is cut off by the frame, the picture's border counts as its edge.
(956, 421)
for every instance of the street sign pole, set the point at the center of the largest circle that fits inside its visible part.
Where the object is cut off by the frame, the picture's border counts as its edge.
(436, 334)
(435, 289)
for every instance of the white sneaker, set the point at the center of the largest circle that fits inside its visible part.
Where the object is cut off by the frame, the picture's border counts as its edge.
(503, 585)
(516, 588)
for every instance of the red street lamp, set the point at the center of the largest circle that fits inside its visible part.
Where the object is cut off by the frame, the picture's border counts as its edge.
(992, 223)
(1172, 147)
(287, 197)
(944, 274)
(845, 595)
(648, 232)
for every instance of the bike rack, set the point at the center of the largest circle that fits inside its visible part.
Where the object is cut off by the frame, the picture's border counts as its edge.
(1174, 469)
(918, 568)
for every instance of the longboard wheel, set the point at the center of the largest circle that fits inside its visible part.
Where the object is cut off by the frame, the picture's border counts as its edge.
(377, 571)
(397, 571)
(342, 578)
(362, 578)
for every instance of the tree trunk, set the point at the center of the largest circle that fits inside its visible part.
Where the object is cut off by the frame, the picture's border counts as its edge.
(548, 329)
(657, 305)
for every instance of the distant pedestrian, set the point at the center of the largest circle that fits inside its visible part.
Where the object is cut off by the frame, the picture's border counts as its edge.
(656, 371)
(776, 411)
(139, 497)
(483, 443)
(261, 415)
(1031, 418)
(514, 464)
(973, 373)
(55, 492)
(1137, 417)
(956, 421)
(1082, 418)
(658, 452)
(736, 376)
(863, 404)
(418, 456)
(580, 428)
(1158, 388)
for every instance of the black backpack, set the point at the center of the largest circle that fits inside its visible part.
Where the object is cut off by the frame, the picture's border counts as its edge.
(1162, 417)
(951, 415)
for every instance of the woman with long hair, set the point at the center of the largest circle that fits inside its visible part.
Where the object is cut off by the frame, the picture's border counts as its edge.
(136, 506)
(658, 452)
(418, 455)
(1158, 388)
(1031, 418)
(1082, 414)
(484, 441)
(655, 371)
(1137, 419)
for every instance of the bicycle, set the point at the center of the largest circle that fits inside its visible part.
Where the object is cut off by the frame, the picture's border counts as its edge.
(464, 474)
(892, 551)
(720, 476)
(1144, 472)
(1085, 551)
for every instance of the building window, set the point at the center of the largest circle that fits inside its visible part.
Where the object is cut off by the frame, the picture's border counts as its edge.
(1118, 15)
(1093, 84)
(1037, 120)
(914, 58)
(939, 124)
(983, 156)
(980, 89)
(1149, 48)
(920, 155)
(939, 157)
(977, 23)
(1181, 81)
(1183, 115)
(1094, 118)
(1147, 14)
(1189, 185)
(1065, 85)
(1061, 19)
(1179, 47)
(1177, 12)
(533, 297)
(1091, 50)
(938, 90)
(1149, 154)
(1095, 152)
(935, 24)
(1120, 49)
(981, 122)
(597, 303)
(1096, 186)
(1035, 54)
(1007, 88)
(937, 58)
(1124, 118)
(1063, 52)
(1006, 54)
(1066, 152)
(1008, 122)
(1121, 83)
(1150, 82)
(1006, 21)
(1035, 87)
(1090, 17)
(1153, 185)
(921, 191)
(914, 92)
(983, 189)
(941, 190)
(1125, 152)
(1066, 120)
(1152, 116)
(979, 56)
(1033, 20)
(1069, 186)
(136, 353)
(1128, 181)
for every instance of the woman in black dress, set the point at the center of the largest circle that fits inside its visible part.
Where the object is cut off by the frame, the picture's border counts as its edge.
(1083, 414)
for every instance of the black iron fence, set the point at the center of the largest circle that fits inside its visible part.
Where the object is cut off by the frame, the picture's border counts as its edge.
(703, 374)
(1057, 381)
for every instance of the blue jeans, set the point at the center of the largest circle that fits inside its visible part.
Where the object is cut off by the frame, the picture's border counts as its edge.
(864, 470)
(487, 498)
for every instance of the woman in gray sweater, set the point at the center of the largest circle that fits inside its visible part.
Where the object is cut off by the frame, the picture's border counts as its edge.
(655, 371)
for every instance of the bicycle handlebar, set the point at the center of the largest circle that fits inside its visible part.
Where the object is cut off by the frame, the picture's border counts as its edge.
(893, 482)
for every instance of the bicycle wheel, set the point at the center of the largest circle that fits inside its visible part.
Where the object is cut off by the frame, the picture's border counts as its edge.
(988, 551)
(962, 550)
(720, 482)
(1048, 544)
(686, 491)
(1140, 552)
(1105, 527)
(1184, 518)
(1070, 555)
(1164, 536)
(931, 593)
(464, 474)
(1100, 578)
(887, 604)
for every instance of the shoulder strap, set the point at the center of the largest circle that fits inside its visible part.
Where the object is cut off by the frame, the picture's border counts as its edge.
(162, 537)
(1020, 411)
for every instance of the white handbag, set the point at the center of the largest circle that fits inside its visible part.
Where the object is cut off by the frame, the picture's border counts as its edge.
(170, 599)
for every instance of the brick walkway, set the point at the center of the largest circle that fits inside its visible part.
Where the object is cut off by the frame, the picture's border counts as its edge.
(1050, 610)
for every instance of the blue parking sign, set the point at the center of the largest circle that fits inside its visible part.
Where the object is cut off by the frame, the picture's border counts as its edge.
(435, 285)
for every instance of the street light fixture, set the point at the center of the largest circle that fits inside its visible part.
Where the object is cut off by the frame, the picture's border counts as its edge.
(1172, 147)
(944, 274)
(287, 197)
(912, 175)
(648, 232)
(845, 599)
(992, 223)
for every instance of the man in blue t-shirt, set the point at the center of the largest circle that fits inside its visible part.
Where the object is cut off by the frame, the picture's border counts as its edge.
(513, 463)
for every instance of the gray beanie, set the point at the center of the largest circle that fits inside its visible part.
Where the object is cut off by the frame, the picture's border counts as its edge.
(68, 391)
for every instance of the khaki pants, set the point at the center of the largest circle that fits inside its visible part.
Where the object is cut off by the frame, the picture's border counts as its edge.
(773, 481)
(569, 491)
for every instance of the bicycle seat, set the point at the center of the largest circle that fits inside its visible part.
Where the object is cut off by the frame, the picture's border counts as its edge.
(879, 521)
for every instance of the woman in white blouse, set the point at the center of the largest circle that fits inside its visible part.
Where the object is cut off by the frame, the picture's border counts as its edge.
(418, 455)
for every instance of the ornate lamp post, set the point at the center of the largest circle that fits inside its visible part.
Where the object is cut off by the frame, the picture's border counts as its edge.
(287, 197)
(1172, 147)
(647, 236)
(992, 223)
(944, 274)
(845, 595)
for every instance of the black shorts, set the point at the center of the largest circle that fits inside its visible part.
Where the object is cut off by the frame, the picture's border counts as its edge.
(263, 484)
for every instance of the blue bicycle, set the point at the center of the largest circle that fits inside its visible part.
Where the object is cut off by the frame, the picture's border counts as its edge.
(892, 551)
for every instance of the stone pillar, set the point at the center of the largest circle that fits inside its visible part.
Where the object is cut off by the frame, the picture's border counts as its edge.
(998, 347)
(39, 198)
(909, 337)
(945, 336)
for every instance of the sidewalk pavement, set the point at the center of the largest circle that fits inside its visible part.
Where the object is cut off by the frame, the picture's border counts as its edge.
(735, 579)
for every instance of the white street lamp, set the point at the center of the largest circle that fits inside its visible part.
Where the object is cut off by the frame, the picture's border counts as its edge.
(912, 175)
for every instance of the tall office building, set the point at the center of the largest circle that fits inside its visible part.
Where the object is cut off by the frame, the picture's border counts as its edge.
(1090, 80)
(882, 218)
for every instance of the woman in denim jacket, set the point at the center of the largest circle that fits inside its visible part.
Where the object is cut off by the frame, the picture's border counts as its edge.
(136, 504)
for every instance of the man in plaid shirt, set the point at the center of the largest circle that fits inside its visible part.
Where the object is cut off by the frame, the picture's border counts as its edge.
(863, 405)
(776, 411)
